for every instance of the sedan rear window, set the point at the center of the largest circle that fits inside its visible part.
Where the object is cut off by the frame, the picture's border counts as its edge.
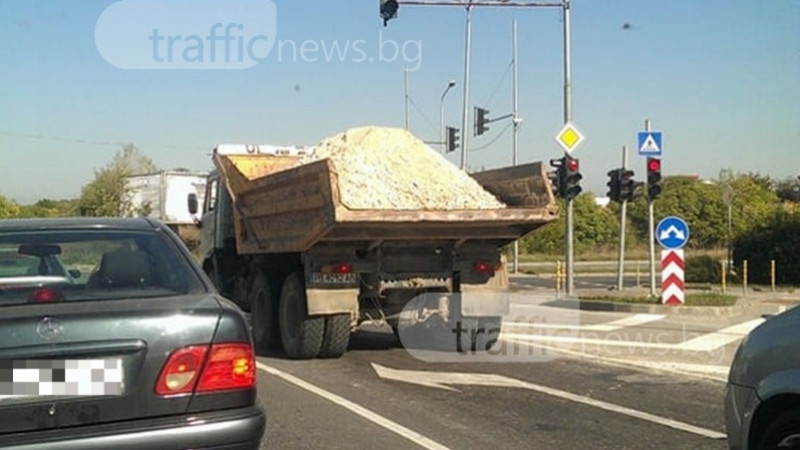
(95, 265)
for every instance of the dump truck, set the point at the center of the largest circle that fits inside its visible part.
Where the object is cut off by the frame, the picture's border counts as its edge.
(277, 240)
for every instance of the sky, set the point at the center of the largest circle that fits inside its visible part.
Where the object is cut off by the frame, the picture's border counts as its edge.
(719, 78)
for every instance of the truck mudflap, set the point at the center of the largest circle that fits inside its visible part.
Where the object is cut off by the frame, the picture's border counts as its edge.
(487, 299)
(331, 301)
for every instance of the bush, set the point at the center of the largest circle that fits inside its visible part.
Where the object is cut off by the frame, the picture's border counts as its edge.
(778, 241)
(703, 269)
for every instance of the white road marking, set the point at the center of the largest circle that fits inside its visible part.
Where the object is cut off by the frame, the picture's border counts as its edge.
(705, 343)
(555, 339)
(431, 379)
(704, 371)
(377, 419)
(725, 336)
(631, 321)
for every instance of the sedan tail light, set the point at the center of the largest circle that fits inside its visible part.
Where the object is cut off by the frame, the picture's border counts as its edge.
(230, 366)
(202, 369)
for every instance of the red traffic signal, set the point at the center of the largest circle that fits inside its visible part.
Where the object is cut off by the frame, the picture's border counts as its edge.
(573, 165)
(653, 178)
(572, 178)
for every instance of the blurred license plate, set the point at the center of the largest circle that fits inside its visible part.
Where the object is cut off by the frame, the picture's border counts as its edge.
(333, 278)
(20, 380)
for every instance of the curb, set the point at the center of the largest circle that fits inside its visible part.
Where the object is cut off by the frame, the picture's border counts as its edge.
(591, 305)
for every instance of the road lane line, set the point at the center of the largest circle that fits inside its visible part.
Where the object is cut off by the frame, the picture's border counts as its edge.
(441, 379)
(632, 321)
(375, 418)
(675, 424)
(721, 338)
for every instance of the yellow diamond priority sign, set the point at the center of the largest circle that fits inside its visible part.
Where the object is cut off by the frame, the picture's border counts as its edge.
(569, 137)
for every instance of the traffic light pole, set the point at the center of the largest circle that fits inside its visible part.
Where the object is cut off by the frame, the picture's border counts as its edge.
(515, 119)
(622, 225)
(651, 234)
(569, 259)
(465, 117)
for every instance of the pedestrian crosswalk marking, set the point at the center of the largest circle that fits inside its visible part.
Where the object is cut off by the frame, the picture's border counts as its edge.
(632, 321)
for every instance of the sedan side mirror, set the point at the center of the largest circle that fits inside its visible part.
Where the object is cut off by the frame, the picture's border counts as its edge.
(192, 203)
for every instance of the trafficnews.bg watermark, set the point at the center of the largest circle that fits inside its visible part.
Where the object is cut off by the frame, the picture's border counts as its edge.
(225, 35)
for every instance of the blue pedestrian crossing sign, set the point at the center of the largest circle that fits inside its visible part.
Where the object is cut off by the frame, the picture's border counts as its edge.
(649, 143)
(672, 233)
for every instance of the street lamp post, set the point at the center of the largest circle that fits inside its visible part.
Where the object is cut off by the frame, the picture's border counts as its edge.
(442, 137)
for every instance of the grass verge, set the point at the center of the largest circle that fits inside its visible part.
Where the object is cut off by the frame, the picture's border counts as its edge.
(692, 299)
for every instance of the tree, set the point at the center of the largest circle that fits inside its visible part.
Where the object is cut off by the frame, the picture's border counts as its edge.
(50, 208)
(106, 195)
(788, 190)
(595, 227)
(8, 208)
(702, 206)
(778, 240)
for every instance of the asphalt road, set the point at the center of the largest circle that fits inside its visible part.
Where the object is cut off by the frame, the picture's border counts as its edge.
(380, 396)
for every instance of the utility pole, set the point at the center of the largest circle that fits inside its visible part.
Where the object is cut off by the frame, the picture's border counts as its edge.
(651, 234)
(442, 138)
(405, 91)
(388, 11)
(465, 112)
(623, 219)
(570, 263)
(515, 118)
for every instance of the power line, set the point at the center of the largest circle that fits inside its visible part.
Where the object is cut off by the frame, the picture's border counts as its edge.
(499, 84)
(424, 116)
(496, 138)
(44, 137)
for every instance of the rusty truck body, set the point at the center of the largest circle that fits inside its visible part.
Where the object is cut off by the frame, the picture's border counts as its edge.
(278, 241)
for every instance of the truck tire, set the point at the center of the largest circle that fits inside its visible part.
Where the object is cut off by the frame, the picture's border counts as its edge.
(336, 337)
(301, 335)
(263, 313)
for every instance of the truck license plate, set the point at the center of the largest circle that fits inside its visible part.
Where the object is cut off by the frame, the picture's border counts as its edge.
(333, 278)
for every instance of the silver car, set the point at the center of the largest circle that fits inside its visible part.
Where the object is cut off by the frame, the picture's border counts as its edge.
(762, 405)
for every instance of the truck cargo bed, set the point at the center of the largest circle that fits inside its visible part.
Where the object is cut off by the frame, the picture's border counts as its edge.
(280, 207)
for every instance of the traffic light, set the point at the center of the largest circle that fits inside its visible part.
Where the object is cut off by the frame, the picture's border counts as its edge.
(627, 186)
(388, 10)
(481, 121)
(614, 185)
(555, 175)
(653, 178)
(572, 177)
(452, 139)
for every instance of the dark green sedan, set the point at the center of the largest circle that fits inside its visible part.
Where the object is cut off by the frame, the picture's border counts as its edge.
(112, 337)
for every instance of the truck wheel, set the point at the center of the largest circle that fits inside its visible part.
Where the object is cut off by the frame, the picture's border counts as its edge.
(263, 314)
(336, 337)
(301, 335)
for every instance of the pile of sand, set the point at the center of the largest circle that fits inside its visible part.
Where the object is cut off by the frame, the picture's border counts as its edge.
(389, 168)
